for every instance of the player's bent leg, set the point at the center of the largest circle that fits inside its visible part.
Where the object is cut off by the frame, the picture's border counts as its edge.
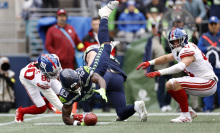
(28, 110)
(139, 106)
(101, 61)
(169, 86)
(19, 117)
(49, 105)
(125, 112)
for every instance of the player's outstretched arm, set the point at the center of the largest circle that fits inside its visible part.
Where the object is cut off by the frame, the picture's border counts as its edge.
(52, 98)
(66, 112)
(164, 59)
(90, 57)
(158, 61)
(96, 78)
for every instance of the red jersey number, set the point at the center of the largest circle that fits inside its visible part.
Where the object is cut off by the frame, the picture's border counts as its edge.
(29, 74)
(44, 78)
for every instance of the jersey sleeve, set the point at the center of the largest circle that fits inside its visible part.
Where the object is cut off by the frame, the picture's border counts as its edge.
(188, 50)
(66, 97)
(85, 73)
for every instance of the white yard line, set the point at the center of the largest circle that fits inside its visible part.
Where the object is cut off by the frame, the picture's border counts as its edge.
(57, 123)
(112, 114)
(27, 119)
(98, 114)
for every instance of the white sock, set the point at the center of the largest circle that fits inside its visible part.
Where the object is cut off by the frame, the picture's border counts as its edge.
(185, 114)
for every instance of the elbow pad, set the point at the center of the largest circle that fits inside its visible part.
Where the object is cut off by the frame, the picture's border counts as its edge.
(173, 69)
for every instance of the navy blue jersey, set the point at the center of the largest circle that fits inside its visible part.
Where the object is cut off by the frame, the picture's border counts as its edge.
(68, 98)
(113, 62)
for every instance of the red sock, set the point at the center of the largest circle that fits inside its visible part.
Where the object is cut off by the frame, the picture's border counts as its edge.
(182, 100)
(33, 110)
(173, 94)
(46, 101)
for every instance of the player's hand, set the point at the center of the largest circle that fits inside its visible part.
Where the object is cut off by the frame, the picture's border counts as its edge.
(143, 65)
(153, 74)
(83, 124)
(102, 92)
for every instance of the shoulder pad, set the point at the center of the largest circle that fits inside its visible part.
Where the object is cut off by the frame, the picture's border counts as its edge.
(188, 50)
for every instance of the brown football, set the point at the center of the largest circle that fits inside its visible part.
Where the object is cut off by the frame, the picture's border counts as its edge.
(90, 119)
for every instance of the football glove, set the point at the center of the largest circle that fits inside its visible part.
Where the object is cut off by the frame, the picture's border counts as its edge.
(78, 117)
(102, 92)
(153, 74)
(143, 65)
(83, 124)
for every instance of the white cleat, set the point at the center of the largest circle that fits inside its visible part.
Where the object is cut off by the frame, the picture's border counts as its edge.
(192, 113)
(181, 119)
(169, 108)
(113, 44)
(139, 107)
(105, 11)
(19, 118)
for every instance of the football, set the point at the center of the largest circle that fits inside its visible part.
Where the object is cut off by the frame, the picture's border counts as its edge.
(90, 119)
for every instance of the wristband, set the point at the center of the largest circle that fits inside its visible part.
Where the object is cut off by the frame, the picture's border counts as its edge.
(75, 123)
(152, 62)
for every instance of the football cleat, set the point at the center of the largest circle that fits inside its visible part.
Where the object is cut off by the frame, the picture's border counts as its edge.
(169, 108)
(19, 117)
(181, 119)
(113, 44)
(105, 11)
(78, 117)
(192, 113)
(139, 107)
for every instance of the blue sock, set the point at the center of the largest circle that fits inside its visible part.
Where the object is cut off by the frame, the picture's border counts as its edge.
(103, 34)
(125, 112)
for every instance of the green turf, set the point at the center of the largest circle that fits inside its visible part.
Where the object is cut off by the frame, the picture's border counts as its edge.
(155, 124)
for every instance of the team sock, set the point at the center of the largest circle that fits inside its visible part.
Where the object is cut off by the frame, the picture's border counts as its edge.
(33, 110)
(181, 97)
(126, 112)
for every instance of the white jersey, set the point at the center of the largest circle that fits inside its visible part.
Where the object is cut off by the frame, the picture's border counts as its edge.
(35, 77)
(35, 82)
(198, 68)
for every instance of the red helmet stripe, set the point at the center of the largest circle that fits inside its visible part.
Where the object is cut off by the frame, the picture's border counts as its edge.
(172, 31)
(49, 60)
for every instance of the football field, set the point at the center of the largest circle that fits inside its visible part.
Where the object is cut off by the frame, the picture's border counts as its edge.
(156, 123)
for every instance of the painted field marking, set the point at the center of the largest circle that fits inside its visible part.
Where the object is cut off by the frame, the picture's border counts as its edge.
(58, 123)
(98, 114)
(113, 114)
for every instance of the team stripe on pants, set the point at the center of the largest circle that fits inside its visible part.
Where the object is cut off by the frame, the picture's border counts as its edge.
(197, 86)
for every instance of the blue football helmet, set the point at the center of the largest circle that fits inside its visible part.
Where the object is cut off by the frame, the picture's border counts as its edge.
(49, 65)
(180, 35)
(70, 81)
